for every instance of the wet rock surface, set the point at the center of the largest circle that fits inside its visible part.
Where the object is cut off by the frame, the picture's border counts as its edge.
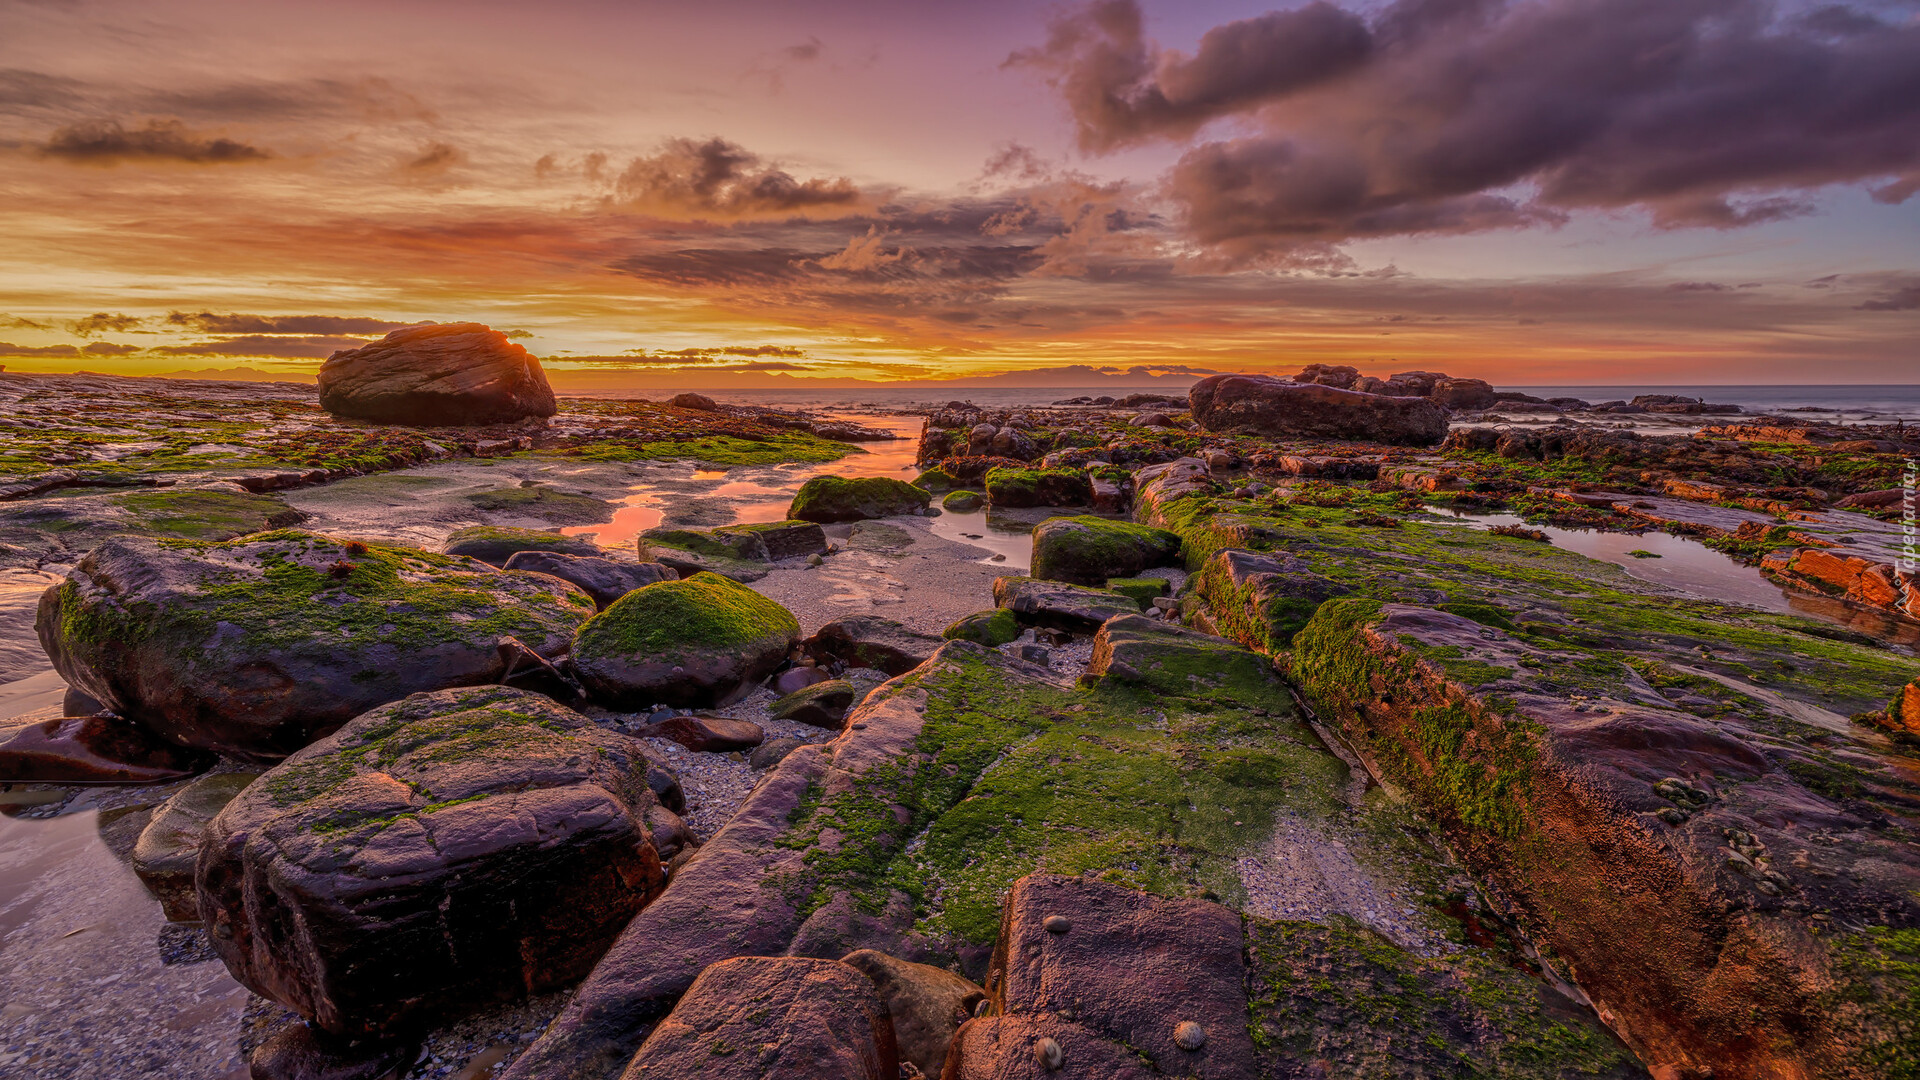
(92, 750)
(872, 642)
(169, 846)
(1089, 550)
(606, 580)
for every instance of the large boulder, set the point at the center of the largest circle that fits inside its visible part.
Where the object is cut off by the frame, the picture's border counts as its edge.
(257, 646)
(603, 579)
(1463, 394)
(695, 643)
(1261, 601)
(869, 641)
(443, 374)
(1263, 405)
(856, 498)
(1088, 550)
(1020, 488)
(783, 1017)
(496, 544)
(448, 851)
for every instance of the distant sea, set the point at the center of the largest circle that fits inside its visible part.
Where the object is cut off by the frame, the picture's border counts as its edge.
(1872, 404)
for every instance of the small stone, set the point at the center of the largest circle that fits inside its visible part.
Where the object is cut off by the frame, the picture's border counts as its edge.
(1189, 1035)
(1056, 924)
(1034, 654)
(815, 560)
(1047, 1052)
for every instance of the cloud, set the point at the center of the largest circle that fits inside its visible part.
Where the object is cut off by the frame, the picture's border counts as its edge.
(17, 322)
(207, 322)
(1907, 299)
(98, 348)
(436, 157)
(317, 347)
(101, 322)
(864, 253)
(718, 179)
(1445, 116)
(36, 90)
(107, 142)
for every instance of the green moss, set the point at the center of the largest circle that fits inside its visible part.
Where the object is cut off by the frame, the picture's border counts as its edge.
(542, 501)
(200, 515)
(853, 498)
(1142, 590)
(727, 450)
(705, 611)
(1879, 997)
(1484, 614)
(990, 628)
(963, 501)
(936, 479)
(1007, 486)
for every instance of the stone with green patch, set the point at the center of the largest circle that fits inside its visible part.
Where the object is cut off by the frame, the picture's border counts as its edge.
(1087, 550)
(695, 643)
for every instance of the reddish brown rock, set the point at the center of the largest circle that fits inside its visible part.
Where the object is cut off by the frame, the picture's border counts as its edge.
(1263, 405)
(169, 846)
(708, 734)
(823, 705)
(869, 641)
(775, 1017)
(296, 1051)
(606, 580)
(928, 1004)
(448, 851)
(94, 750)
(1462, 394)
(1015, 1048)
(443, 374)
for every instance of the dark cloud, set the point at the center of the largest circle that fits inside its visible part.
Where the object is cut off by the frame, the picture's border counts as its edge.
(107, 142)
(20, 89)
(436, 157)
(98, 348)
(1907, 299)
(208, 322)
(721, 179)
(1461, 115)
(373, 100)
(101, 322)
(16, 322)
(317, 347)
(108, 348)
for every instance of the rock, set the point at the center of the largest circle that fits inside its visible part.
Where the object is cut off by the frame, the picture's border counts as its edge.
(1035, 654)
(1107, 496)
(781, 539)
(698, 402)
(842, 498)
(1088, 550)
(93, 750)
(1065, 607)
(603, 579)
(773, 1017)
(1174, 660)
(772, 752)
(75, 703)
(495, 544)
(1018, 488)
(448, 851)
(928, 1004)
(1262, 405)
(1903, 713)
(1008, 442)
(936, 479)
(168, 847)
(1873, 500)
(1266, 598)
(707, 734)
(444, 374)
(1218, 459)
(295, 1051)
(823, 705)
(962, 502)
(991, 628)
(257, 646)
(695, 643)
(1336, 375)
(1141, 590)
(1131, 971)
(872, 642)
(1153, 420)
(795, 679)
(731, 546)
(1158, 485)
(1462, 394)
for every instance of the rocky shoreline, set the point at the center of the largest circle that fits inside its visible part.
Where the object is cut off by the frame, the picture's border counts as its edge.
(1269, 766)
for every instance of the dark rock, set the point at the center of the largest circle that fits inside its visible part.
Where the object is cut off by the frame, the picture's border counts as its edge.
(257, 646)
(843, 498)
(1336, 375)
(1059, 605)
(872, 642)
(296, 1051)
(603, 579)
(1463, 394)
(168, 847)
(1153, 420)
(698, 402)
(772, 752)
(990, 628)
(695, 643)
(1019, 487)
(781, 539)
(75, 703)
(928, 1004)
(495, 545)
(1143, 590)
(1106, 496)
(782, 1017)
(796, 679)
(1263, 405)
(1034, 654)
(962, 502)
(97, 749)
(823, 705)
(706, 543)
(450, 850)
(707, 734)
(445, 374)
(973, 469)
(1088, 550)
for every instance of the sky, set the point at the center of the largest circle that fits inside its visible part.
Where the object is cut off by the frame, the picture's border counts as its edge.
(1533, 192)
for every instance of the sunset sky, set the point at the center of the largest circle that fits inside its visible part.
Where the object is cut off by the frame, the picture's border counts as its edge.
(1537, 192)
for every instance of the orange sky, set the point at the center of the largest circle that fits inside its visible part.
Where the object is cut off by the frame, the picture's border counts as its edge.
(882, 191)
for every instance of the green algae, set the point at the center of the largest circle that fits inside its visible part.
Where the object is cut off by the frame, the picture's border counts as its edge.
(1018, 487)
(994, 627)
(852, 498)
(727, 450)
(705, 612)
(1141, 590)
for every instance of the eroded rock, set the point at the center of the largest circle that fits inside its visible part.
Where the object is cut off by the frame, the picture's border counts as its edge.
(1263, 405)
(438, 374)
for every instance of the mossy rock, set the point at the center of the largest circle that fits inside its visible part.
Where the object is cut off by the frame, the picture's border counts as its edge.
(962, 502)
(695, 643)
(543, 501)
(990, 628)
(781, 539)
(1089, 550)
(1023, 487)
(257, 646)
(1170, 659)
(936, 479)
(823, 705)
(1073, 608)
(61, 527)
(741, 546)
(1143, 590)
(856, 498)
(495, 544)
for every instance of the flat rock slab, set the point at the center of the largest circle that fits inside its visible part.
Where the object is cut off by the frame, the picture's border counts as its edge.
(93, 750)
(707, 734)
(872, 642)
(603, 579)
(773, 1017)
(496, 545)
(1059, 605)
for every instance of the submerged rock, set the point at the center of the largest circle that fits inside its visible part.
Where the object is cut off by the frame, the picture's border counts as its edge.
(451, 850)
(94, 750)
(257, 646)
(169, 846)
(776, 1017)
(856, 498)
(695, 643)
(603, 579)
(1088, 550)
(872, 642)
(1263, 405)
(440, 374)
(495, 545)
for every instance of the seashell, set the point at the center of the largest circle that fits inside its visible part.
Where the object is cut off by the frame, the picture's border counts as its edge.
(1047, 1052)
(1189, 1035)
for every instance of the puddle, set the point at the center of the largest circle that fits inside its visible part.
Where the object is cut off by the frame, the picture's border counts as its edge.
(1686, 565)
(1016, 545)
